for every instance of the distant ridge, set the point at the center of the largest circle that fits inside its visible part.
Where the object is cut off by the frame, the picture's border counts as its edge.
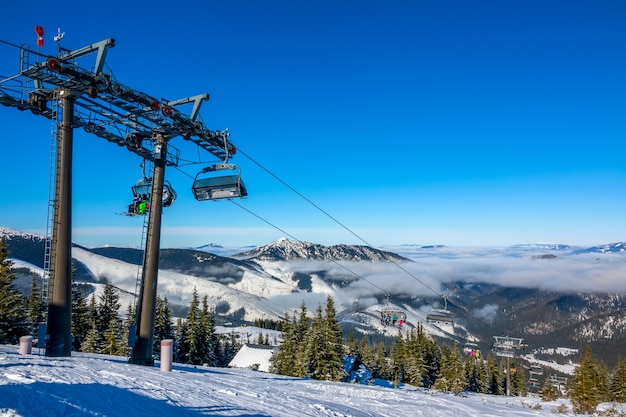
(617, 247)
(285, 249)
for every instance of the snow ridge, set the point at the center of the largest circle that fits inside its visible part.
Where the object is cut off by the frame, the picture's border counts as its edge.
(285, 249)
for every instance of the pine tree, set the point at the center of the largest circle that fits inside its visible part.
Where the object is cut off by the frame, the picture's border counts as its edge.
(518, 380)
(230, 347)
(90, 344)
(587, 391)
(128, 326)
(495, 378)
(617, 382)
(476, 375)
(549, 391)
(211, 340)
(333, 344)
(108, 309)
(283, 361)
(112, 340)
(378, 364)
(81, 324)
(397, 361)
(92, 319)
(163, 328)
(181, 354)
(313, 356)
(35, 306)
(292, 353)
(13, 322)
(353, 347)
(415, 367)
(431, 353)
(452, 372)
(196, 341)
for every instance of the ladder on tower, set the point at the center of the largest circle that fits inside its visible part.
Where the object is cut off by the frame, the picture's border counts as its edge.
(138, 284)
(47, 282)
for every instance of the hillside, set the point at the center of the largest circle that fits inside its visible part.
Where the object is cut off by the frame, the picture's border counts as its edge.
(550, 295)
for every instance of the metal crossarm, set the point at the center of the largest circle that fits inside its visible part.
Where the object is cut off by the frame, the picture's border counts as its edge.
(105, 107)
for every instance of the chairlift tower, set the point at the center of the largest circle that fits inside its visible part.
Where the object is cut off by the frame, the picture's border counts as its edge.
(93, 99)
(506, 346)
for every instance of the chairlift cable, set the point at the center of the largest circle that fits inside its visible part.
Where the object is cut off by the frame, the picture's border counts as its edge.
(332, 218)
(386, 293)
(298, 240)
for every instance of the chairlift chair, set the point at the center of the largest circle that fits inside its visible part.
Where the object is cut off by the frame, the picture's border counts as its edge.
(217, 182)
(441, 315)
(471, 349)
(394, 315)
(399, 314)
(144, 188)
(142, 191)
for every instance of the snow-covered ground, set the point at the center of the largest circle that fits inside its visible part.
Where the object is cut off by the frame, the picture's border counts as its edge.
(98, 385)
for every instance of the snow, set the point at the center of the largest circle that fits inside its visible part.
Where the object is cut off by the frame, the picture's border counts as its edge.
(99, 385)
(250, 356)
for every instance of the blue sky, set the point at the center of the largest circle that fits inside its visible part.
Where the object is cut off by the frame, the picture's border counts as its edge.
(432, 122)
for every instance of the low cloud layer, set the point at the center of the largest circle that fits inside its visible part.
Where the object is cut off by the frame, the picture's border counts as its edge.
(425, 276)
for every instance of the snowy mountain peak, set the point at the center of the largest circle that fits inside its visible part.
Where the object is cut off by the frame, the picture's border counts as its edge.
(543, 245)
(285, 249)
(209, 246)
(7, 232)
(617, 247)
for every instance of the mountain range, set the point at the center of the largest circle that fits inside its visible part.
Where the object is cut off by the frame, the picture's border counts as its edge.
(550, 295)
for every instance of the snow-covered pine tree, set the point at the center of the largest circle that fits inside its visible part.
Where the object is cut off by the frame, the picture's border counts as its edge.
(12, 304)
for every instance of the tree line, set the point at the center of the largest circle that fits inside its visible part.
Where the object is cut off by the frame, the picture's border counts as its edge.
(99, 327)
(314, 348)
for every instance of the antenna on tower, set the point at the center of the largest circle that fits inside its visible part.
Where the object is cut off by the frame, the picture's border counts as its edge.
(57, 38)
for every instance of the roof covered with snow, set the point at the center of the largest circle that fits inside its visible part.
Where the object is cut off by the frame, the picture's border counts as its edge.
(254, 357)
